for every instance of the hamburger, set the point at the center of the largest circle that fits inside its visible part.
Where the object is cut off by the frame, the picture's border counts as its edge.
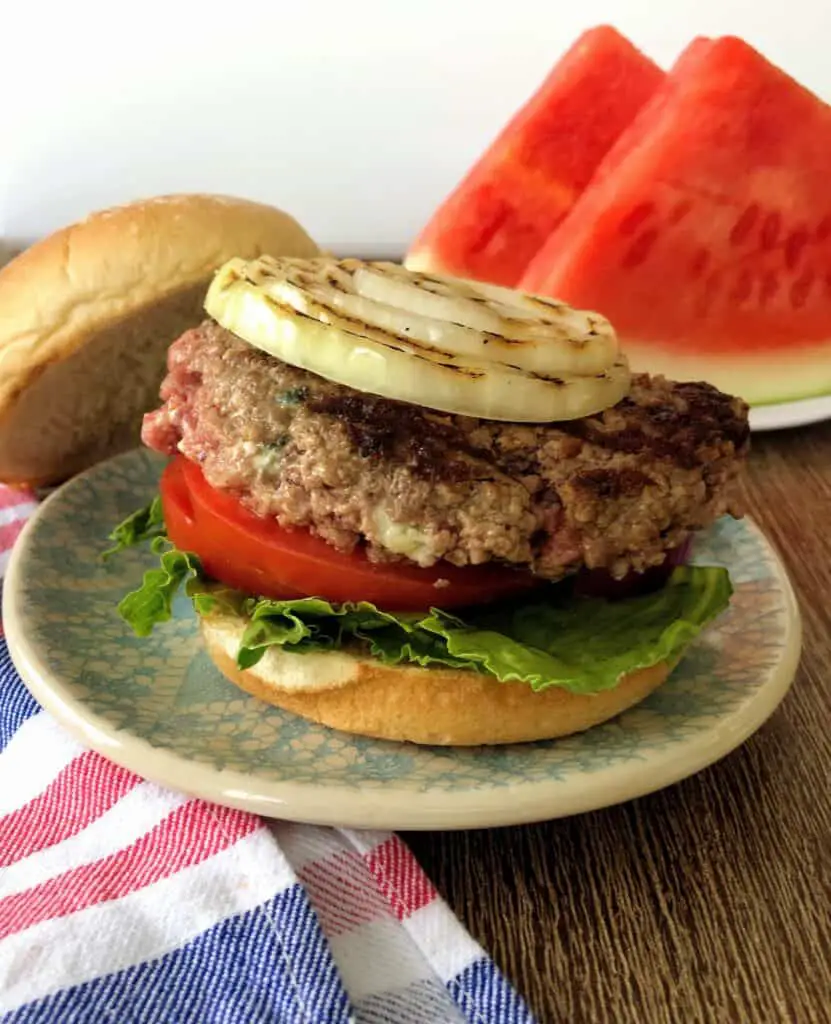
(418, 508)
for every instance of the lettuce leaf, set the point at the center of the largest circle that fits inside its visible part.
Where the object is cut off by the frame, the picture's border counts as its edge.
(145, 524)
(582, 644)
(152, 603)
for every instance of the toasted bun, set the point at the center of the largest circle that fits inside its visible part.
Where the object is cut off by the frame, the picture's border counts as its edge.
(445, 707)
(87, 315)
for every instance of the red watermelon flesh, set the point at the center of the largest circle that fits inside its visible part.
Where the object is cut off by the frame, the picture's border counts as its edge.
(705, 236)
(493, 223)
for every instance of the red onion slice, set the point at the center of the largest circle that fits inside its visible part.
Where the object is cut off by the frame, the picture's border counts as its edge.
(599, 583)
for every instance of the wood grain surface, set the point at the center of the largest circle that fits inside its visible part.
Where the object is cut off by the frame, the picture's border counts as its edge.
(709, 901)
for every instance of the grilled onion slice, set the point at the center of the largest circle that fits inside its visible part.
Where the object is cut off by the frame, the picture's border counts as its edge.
(439, 342)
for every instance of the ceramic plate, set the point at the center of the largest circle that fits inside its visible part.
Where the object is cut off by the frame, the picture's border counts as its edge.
(157, 706)
(790, 414)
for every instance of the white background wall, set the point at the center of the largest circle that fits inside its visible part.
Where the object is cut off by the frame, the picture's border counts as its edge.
(357, 116)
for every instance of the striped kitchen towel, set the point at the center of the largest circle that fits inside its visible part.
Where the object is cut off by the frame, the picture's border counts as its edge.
(123, 902)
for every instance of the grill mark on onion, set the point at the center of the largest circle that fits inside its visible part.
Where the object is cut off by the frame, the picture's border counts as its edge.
(364, 325)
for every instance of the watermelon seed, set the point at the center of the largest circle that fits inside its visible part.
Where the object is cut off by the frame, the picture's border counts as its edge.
(745, 224)
(636, 216)
(800, 289)
(639, 249)
(742, 288)
(794, 247)
(770, 230)
(705, 300)
(679, 212)
(699, 263)
(770, 286)
(490, 228)
(823, 229)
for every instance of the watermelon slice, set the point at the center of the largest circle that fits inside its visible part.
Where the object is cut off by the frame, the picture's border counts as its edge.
(490, 227)
(705, 236)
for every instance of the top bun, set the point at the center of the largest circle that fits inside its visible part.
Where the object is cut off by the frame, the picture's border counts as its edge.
(87, 315)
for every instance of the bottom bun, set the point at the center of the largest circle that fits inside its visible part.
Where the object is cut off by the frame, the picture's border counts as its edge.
(444, 707)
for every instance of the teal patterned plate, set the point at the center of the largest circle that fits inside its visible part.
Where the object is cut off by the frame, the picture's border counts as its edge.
(158, 707)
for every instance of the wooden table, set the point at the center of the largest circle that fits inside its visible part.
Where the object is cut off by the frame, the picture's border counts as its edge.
(706, 902)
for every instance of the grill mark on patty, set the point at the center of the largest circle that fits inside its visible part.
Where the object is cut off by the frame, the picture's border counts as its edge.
(381, 429)
(701, 417)
(612, 483)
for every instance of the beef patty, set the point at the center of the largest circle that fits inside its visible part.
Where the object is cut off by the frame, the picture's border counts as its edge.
(615, 490)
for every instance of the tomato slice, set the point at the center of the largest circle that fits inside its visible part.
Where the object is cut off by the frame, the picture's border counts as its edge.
(250, 553)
